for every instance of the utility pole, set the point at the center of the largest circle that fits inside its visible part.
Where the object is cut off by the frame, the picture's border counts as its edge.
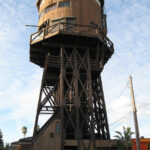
(135, 115)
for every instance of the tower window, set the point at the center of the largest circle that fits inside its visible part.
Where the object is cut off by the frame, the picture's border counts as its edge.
(41, 14)
(70, 20)
(93, 25)
(56, 21)
(98, 2)
(42, 2)
(64, 4)
(70, 23)
(57, 128)
(104, 22)
(51, 7)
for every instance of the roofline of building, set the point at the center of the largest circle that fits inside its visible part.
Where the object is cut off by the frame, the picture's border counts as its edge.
(142, 140)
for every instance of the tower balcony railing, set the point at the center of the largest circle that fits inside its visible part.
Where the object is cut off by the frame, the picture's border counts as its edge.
(74, 29)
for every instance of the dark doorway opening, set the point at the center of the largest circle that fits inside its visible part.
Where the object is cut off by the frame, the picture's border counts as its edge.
(70, 148)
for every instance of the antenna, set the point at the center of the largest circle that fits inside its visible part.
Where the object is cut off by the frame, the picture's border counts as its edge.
(35, 26)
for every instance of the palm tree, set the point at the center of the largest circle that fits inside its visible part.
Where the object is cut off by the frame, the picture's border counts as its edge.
(38, 128)
(124, 139)
(24, 130)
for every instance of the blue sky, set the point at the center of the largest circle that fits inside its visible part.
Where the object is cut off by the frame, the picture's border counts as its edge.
(128, 28)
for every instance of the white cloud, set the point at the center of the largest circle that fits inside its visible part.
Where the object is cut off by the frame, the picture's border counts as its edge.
(128, 26)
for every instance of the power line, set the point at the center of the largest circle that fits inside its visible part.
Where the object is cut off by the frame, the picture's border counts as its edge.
(116, 121)
(124, 117)
(115, 101)
(119, 123)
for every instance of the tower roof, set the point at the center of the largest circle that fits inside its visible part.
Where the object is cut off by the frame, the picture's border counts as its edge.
(101, 2)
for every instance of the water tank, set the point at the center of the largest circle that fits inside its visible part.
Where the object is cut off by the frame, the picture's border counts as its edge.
(82, 12)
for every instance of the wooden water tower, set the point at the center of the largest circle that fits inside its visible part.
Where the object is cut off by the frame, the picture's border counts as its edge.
(71, 45)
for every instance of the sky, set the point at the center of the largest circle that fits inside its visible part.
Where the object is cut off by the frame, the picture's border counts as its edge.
(128, 27)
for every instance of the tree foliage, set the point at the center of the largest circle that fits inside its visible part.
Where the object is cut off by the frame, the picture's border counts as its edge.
(124, 139)
(1, 141)
(2, 146)
(7, 146)
(24, 130)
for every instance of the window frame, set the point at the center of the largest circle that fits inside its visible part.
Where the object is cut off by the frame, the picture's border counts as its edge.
(57, 128)
(93, 24)
(42, 1)
(64, 18)
(98, 3)
(41, 14)
(71, 26)
(104, 23)
(55, 4)
(55, 20)
(64, 1)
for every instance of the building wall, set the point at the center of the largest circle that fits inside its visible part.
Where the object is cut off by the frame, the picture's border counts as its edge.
(25, 147)
(48, 138)
(21, 146)
(145, 144)
(15, 146)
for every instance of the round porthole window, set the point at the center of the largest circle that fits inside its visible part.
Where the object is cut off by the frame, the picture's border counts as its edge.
(51, 134)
